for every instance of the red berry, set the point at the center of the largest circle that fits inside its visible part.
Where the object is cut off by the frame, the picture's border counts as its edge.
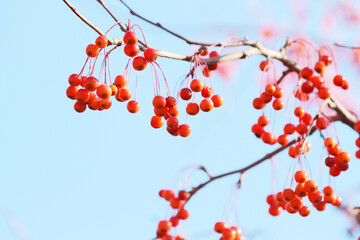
(185, 94)
(184, 195)
(258, 103)
(279, 92)
(307, 87)
(317, 81)
(130, 38)
(174, 221)
(270, 89)
(288, 194)
(264, 66)
(156, 122)
(139, 63)
(170, 102)
(322, 123)
(183, 213)
(278, 104)
(121, 81)
(150, 54)
(104, 91)
(80, 107)
(196, 85)
(338, 80)
(184, 130)
(75, 80)
(320, 67)
(133, 106)
(220, 227)
(131, 50)
(306, 73)
(310, 186)
(101, 42)
(301, 176)
(275, 210)
(173, 112)
(315, 197)
(263, 120)
(159, 101)
(329, 142)
(124, 94)
(172, 123)
(206, 105)
(324, 92)
(71, 92)
(92, 50)
(257, 130)
(268, 138)
(289, 128)
(326, 59)
(345, 85)
(164, 226)
(299, 112)
(206, 92)
(218, 100)
(82, 95)
(91, 84)
(192, 108)
(304, 211)
(283, 140)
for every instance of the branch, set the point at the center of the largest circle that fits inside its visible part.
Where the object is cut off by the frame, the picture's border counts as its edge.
(343, 46)
(83, 18)
(243, 170)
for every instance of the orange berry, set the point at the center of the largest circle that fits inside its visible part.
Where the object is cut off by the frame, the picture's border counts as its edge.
(71, 92)
(139, 63)
(288, 194)
(120, 81)
(320, 67)
(192, 108)
(264, 66)
(301, 176)
(206, 105)
(183, 214)
(156, 122)
(130, 38)
(92, 50)
(133, 106)
(80, 107)
(151, 54)
(220, 227)
(104, 91)
(131, 50)
(310, 186)
(91, 84)
(304, 211)
(184, 130)
(196, 85)
(101, 42)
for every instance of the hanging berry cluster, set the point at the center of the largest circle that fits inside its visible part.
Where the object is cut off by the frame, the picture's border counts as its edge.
(177, 203)
(311, 87)
(228, 233)
(95, 93)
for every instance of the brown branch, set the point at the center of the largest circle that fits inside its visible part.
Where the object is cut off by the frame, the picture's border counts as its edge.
(243, 170)
(111, 14)
(83, 18)
(344, 46)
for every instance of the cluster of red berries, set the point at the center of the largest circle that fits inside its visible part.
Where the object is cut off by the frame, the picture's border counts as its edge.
(228, 233)
(88, 90)
(357, 142)
(176, 203)
(311, 79)
(293, 200)
(271, 92)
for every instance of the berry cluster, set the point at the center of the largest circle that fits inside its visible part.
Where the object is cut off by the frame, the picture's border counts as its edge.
(95, 94)
(228, 233)
(357, 142)
(311, 85)
(293, 201)
(176, 203)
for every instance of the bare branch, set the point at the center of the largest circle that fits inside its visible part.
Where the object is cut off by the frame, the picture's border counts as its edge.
(343, 46)
(83, 18)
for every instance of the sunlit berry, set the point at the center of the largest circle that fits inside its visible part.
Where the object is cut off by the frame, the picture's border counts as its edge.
(133, 106)
(196, 85)
(91, 84)
(139, 63)
(92, 50)
(130, 38)
(131, 50)
(218, 100)
(206, 105)
(185, 93)
(151, 54)
(80, 107)
(184, 130)
(101, 41)
(71, 92)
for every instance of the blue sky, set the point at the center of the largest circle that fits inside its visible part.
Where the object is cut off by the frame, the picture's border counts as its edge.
(96, 175)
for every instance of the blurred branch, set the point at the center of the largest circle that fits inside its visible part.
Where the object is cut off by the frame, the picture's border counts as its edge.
(343, 46)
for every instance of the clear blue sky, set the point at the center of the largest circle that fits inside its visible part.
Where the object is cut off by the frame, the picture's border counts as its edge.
(96, 175)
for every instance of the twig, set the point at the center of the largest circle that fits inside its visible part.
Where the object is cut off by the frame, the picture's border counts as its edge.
(343, 46)
(83, 18)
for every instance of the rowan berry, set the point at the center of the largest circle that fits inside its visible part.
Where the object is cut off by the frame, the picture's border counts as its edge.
(310, 186)
(324, 92)
(279, 92)
(173, 112)
(156, 122)
(71, 92)
(264, 66)
(301, 176)
(304, 211)
(299, 112)
(288, 194)
(104, 91)
(263, 120)
(322, 123)
(105, 103)
(183, 213)
(315, 197)
(206, 92)
(270, 89)
(306, 73)
(172, 123)
(74, 80)
(320, 67)
(289, 128)
(338, 80)
(307, 87)
(283, 140)
(82, 95)
(185, 94)
(91, 84)
(278, 104)
(258, 104)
